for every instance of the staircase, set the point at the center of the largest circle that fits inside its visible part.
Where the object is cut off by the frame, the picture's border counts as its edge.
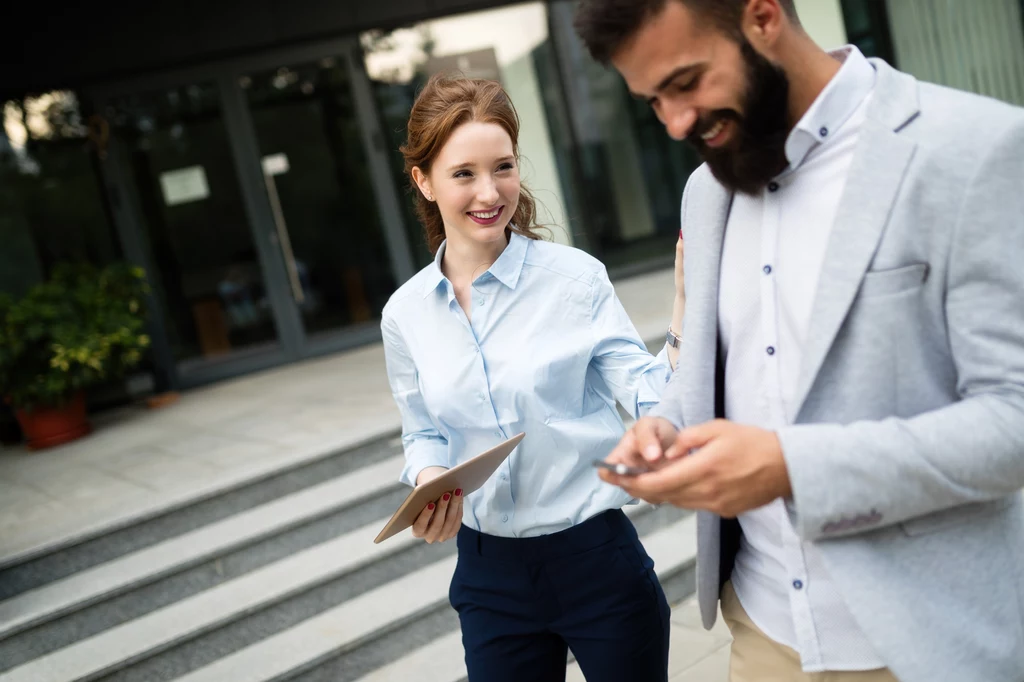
(276, 580)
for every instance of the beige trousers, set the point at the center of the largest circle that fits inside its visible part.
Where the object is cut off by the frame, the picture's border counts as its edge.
(757, 658)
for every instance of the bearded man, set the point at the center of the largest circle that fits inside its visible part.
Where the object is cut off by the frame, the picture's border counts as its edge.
(847, 413)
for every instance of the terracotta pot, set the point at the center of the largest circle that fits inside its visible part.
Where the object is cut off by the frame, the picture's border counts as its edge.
(45, 427)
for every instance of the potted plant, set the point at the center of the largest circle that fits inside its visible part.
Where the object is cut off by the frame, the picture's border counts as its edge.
(81, 327)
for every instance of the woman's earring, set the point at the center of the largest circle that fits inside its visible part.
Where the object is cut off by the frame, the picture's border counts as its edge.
(430, 197)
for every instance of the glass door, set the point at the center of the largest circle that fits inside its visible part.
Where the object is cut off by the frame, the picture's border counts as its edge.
(204, 263)
(260, 197)
(331, 210)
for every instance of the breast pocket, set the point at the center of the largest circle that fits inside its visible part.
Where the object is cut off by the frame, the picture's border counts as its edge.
(893, 281)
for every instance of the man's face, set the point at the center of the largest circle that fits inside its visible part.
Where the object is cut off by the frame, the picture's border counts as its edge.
(715, 92)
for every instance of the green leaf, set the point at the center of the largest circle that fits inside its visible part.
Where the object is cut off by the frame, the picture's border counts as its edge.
(80, 327)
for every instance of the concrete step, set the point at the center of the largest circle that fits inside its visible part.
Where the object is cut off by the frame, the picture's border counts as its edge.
(247, 628)
(83, 552)
(439, 661)
(183, 622)
(190, 618)
(334, 631)
(265, 622)
(442, 660)
(152, 563)
(362, 619)
(382, 650)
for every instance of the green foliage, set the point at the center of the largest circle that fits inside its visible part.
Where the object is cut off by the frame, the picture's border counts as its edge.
(82, 327)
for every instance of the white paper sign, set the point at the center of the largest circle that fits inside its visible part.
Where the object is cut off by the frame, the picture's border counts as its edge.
(275, 164)
(184, 185)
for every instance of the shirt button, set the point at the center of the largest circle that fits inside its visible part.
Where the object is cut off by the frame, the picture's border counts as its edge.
(481, 301)
(504, 517)
(499, 434)
(823, 132)
(771, 350)
(773, 187)
(767, 269)
(798, 584)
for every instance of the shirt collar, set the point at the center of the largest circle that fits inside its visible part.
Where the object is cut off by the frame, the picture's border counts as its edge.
(509, 265)
(433, 276)
(833, 107)
(506, 269)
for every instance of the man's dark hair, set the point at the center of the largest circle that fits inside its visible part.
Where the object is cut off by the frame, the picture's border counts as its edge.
(604, 25)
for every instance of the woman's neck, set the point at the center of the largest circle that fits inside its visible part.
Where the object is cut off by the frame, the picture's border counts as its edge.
(465, 260)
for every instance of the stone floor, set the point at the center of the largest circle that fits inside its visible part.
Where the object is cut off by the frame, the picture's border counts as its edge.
(696, 654)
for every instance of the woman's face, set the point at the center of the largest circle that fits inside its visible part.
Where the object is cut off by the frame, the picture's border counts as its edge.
(475, 182)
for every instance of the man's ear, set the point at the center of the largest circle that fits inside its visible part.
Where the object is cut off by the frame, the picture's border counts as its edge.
(762, 23)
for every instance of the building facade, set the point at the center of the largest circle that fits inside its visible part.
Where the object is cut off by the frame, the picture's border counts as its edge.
(245, 154)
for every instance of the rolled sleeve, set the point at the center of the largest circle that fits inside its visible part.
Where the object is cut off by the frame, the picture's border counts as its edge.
(670, 407)
(423, 444)
(653, 389)
(635, 377)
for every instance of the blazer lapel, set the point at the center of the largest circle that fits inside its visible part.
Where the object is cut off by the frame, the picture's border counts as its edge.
(879, 165)
(706, 219)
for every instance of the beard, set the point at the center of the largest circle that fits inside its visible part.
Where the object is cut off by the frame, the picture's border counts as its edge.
(757, 152)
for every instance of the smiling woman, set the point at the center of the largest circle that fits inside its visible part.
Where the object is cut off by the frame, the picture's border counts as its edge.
(466, 170)
(506, 334)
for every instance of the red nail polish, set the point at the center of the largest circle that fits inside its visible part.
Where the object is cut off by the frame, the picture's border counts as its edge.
(447, 497)
(458, 492)
(430, 506)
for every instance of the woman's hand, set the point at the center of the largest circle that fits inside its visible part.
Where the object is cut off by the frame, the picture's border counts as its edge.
(678, 304)
(680, 287)
(440, 520)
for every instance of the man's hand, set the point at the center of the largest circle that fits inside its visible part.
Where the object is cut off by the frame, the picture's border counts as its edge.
(440, 520)
(644, 445)
(732, 469)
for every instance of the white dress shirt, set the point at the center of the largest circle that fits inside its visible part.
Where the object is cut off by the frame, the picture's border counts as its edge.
(772, 257)
(548, 350)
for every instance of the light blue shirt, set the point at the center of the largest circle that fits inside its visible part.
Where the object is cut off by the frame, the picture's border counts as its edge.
(548, 352)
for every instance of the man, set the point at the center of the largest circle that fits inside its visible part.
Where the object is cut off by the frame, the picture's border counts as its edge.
(855, 284)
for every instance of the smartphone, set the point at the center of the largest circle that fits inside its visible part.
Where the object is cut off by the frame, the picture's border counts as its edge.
(620, 469)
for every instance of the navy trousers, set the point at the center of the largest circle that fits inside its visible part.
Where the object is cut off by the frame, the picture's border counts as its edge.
(524, 602)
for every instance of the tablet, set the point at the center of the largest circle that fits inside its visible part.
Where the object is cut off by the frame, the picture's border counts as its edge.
(469, 476)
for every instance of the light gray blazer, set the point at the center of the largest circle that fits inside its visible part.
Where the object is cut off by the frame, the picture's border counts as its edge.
(906, 452)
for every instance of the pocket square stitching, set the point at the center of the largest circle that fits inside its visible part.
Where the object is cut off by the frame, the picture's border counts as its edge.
(894, 280)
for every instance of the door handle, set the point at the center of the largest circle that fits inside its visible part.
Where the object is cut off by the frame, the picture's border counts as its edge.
(284, 240)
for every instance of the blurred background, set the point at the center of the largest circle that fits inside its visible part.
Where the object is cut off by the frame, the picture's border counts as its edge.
(244, 154)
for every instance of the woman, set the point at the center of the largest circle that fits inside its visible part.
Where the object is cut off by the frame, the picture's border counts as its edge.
(504, 334)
